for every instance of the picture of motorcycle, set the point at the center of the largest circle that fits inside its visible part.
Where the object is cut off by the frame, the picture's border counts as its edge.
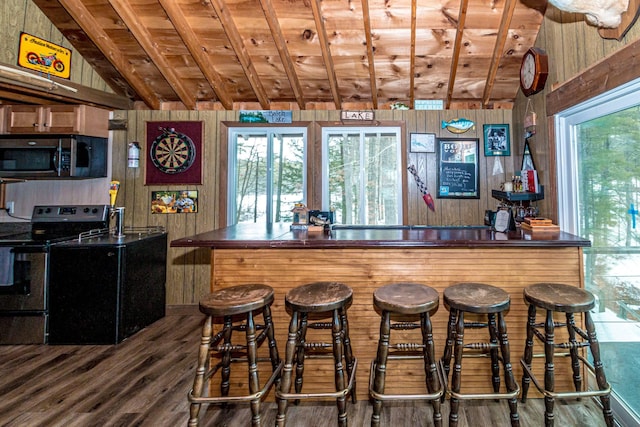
(46, 61)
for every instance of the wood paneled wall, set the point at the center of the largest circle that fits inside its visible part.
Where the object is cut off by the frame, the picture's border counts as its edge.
(573, 48)
(188, 270)
(24, 15)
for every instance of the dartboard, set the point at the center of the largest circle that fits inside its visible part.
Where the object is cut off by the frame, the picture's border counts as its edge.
(172, 152)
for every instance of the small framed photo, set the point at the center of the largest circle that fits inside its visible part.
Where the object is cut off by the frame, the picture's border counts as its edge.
(423, 143)
(497, 141)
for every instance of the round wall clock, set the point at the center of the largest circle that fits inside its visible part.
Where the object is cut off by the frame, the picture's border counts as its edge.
(533, 71)
(172, 152)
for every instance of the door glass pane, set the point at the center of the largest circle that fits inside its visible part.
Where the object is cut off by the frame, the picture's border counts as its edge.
(251, 178)
(266, 175)
(344, 177)
(362, 182)
(608, 179)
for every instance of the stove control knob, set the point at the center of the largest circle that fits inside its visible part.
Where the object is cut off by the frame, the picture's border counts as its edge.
(86, 210)
(39, 211)
(94, 210)
(48, 210)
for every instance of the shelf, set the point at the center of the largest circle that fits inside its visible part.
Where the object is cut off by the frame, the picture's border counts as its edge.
(512, 196)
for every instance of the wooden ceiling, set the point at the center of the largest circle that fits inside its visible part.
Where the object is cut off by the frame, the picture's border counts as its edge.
(303, 54)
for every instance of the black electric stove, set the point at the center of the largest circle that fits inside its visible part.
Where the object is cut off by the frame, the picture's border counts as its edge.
(25, 267)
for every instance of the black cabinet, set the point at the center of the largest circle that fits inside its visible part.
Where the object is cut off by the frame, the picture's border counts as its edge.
(104, 289)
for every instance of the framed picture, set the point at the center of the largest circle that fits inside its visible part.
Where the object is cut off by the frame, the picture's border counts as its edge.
(527, 158)
(458, 168)
(423, 143)
(172, 202)
(496, 140)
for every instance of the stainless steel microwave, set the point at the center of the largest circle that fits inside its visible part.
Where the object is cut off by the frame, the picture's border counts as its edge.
(53, 156)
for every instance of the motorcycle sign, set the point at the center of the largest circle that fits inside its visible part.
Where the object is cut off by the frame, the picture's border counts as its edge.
(43, 56)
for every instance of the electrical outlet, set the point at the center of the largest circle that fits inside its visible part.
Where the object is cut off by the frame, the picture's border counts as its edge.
(10, 206)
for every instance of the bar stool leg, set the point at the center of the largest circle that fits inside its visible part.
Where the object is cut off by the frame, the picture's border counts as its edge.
(573, 350)
(252, 355)
(457, 369)
(302, 339)
(285, 379)
(509, 379)
(273, 348)
(495, 364)
(339, 378)
(430, 369)
(448, 348)
(549, 330)
(226, 357)
(601, 378)
(348, 353)
(201, 370)
(528, 352)
(381, 365)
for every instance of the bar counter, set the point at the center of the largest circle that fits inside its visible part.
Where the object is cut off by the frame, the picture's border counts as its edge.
(366, 258)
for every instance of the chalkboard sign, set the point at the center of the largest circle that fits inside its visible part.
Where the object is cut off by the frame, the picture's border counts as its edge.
(458, 171)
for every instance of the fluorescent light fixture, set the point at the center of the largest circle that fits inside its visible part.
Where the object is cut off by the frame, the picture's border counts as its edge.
(24, 78)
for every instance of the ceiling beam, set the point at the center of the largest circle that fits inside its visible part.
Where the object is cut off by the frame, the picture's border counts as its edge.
(498, 49)
(326, 53)
(372, 65)
(283, 51)
(240, 50)
(151, 48)
(412, 66)
(200, 55)
(94, 30)
(455, 57)
(29, 87)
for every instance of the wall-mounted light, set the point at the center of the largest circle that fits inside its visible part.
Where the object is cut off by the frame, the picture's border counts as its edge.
(134, 154)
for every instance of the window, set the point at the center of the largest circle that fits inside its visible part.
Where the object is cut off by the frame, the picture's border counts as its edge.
(362, 175)
(598, 152)
(267, 174)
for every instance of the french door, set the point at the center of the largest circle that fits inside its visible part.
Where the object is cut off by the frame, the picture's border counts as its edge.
(598, 152)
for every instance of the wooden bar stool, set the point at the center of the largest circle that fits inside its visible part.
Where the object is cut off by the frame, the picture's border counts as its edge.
(478, 298)
(401, 305)
(555, 297)
(236, 307)
(324, 299)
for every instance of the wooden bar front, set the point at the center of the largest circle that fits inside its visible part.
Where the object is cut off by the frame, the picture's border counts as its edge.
(287, 262)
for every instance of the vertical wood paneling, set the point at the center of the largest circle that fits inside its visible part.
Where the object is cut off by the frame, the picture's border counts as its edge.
(367, 269)
(188, 270)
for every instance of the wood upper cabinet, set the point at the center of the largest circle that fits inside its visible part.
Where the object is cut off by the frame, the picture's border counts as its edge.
(66, 119)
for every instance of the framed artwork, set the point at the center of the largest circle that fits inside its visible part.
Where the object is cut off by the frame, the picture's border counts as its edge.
(174, 153)
(496, 140)
(171, 202)
(422, 143)
(458, 168)
(527, 158)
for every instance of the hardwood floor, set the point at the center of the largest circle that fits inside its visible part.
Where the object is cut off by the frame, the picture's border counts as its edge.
(144, 382)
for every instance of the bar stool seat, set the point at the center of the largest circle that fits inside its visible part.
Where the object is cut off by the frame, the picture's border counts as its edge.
(401, 304)
(320, 299)
(562, 298)
(236, 307)
(482, 299)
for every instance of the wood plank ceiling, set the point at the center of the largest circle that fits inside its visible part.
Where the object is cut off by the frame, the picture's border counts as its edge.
(303, 54)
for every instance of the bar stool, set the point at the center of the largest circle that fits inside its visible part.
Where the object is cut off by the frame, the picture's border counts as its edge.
(237, 307)
(556, 297)
(401, 305)
(478, 298)
(324, 299)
